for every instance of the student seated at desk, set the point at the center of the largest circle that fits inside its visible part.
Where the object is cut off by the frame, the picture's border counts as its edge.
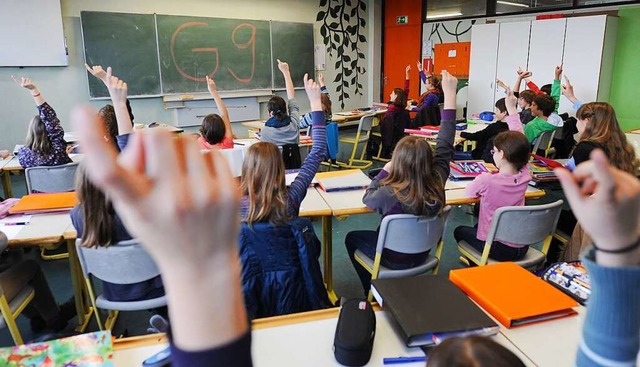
(433, 96)
(45, 145)
(203, 274)
(215, 132)
(306, 121)
(282, 129)
(484, 138)
(411, 183)
(288, 280)
(505, 188)
(95, 218)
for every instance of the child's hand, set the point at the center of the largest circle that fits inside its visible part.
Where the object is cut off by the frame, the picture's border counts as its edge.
(449, 88)
(558, 72)
(283, 66)
(606, 202)
(96, 71)
(117, 88)
(211, 85)
(523, 74)
(419, 66)
(387, 167)
(511, 102)
(25, 82)
(407, 71)
(501, 84)
(567, 90)
(169, 190)
(321, 79)
(313, 92)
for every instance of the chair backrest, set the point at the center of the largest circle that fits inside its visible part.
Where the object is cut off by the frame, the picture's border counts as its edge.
(125, 262)
(366, 122)
(544, 142)
(524, 225)
(411, 234)
(51, 178)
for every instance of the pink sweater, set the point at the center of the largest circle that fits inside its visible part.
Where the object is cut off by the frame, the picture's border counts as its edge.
(226, 143)
(497, 190)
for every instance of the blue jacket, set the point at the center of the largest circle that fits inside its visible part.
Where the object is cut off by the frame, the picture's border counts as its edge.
(280, 269)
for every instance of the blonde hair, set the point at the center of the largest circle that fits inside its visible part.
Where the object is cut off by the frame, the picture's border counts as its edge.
(97, 212)
(412, 178)
(263, 182)
(603, 129)
(37, 137)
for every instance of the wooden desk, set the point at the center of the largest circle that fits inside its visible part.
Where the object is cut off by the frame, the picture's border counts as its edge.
(343, 203)
(44, 229)
(12, 165)
(303, 339)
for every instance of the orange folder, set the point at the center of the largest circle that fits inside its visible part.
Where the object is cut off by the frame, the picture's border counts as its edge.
(512, 294)
(43, 203)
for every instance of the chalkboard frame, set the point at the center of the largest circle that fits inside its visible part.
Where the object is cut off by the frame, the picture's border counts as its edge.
(274, 85)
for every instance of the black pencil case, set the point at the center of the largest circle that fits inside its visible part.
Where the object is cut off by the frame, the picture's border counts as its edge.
(355, 333)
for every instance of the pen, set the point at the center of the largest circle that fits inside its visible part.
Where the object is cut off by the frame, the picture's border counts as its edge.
(234, 143)
(15, 223)
(400, 360)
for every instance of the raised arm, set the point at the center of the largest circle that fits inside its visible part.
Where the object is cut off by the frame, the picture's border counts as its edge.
(288, 82)
(298, 189)
(55, 132)
(522, 74)
(513, 120)
(567, 91)
(421, 73)
(407, 76)
(606, 202)
(555, 87)
(29, 85)
(444, 142)
(184, 189)
(118, 92)
(222, 107)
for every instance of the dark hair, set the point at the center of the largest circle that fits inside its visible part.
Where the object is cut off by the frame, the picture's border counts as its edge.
(277, 106)
(97, 212)
(108, 114)
(472, 351)
(435, 82)
(326, 104)
(130, 111)
(501, 105)
(528, 95)
(545, 103)
(213, 128)
(546, 89)
(401, 98)
(515, 146)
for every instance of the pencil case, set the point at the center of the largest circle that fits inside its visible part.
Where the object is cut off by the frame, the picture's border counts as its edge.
(355, 333)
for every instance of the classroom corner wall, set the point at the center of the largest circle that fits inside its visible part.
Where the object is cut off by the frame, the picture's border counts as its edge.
(626, 73)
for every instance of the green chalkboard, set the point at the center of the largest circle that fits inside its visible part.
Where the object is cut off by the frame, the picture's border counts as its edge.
(127, 43)
(235, 52)
(293, 43)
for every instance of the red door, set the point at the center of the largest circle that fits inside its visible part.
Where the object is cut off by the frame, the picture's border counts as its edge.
(401, 45)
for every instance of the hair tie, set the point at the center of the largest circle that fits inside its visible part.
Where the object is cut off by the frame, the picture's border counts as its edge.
(278, 112)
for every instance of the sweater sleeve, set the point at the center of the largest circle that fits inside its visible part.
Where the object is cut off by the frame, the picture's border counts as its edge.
(299, 186)
(477, 187)
(533, 87)
(406, 87)
(611, 331)
(236, 353)
(55, 132)
(582, 152)
(294, 112)
(306, 121)
(444, 144)
(423, 76)
(123, 140)
(514, 123)
(556, 91)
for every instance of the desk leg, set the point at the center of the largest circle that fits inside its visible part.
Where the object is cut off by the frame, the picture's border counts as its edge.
(6, 185)
(327, 251)
(79, 291)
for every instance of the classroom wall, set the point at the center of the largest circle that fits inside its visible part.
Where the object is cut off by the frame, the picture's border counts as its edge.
(626, 72)
(65, 87)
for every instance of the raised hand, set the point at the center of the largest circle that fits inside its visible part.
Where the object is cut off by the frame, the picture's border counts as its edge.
(211, 85)
(96, 71)
(407, 71)
(558, 72)
(321, 79)
(502, 84)
(449, 88)
(117, 88)
(524, 74)
(567, 90)
(606, 202)
(283, 66)
(511, 102)
(419, 66)
(313, 92)
(25, 82)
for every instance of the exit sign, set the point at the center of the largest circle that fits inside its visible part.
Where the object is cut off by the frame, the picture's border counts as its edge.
(403, 19)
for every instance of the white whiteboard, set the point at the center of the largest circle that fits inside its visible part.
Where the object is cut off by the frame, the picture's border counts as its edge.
(31, 33)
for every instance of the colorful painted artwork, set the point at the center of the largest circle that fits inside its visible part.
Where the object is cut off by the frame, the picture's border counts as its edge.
(86, 350)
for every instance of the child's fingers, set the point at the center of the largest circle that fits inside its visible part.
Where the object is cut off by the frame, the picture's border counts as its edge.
(570, 187)
(199, 171)
(161, 155)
